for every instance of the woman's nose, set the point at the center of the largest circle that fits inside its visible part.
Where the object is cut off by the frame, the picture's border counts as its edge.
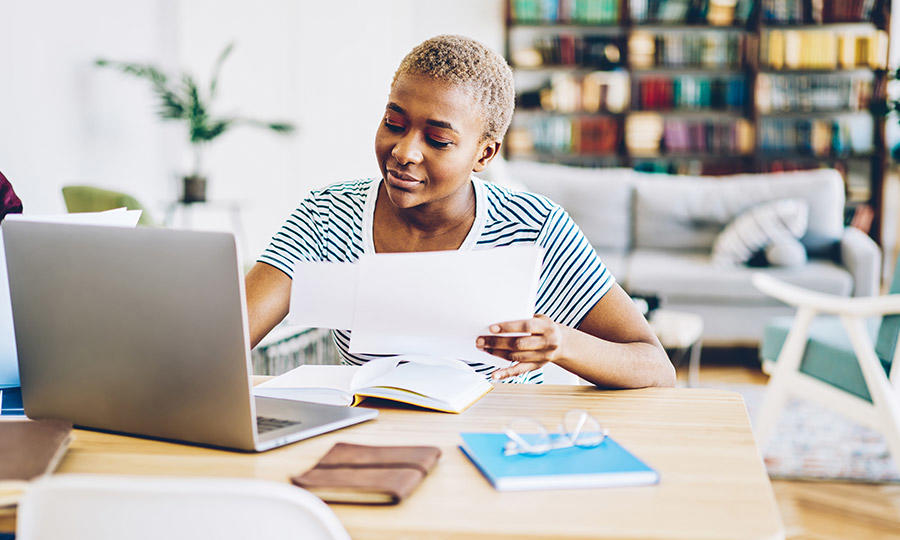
(406, 151)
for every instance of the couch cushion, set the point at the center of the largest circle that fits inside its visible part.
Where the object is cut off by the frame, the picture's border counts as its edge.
(680, 275)
(828, 356)
(687, 212)
(758, 227)
(599, 200)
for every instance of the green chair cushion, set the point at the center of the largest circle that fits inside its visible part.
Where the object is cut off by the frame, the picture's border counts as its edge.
(93, 199)
(829, 355)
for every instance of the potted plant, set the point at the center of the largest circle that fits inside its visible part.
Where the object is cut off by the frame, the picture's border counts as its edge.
(182, 99)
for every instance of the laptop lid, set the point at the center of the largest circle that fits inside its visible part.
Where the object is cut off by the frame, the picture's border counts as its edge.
(132, 330)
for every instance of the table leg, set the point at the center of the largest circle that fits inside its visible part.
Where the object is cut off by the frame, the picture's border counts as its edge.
(694, 364)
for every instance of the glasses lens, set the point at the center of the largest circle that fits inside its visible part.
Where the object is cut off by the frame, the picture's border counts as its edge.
(583, 429)
(528, 436)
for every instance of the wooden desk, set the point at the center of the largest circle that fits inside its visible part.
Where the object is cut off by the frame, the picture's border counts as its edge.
(713, 484)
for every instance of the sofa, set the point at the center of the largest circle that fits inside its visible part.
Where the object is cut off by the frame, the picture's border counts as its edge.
(655, 232)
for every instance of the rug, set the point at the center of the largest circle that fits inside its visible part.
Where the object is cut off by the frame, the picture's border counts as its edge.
(812, 442)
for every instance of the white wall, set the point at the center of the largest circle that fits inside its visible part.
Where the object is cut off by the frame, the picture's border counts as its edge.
(64, 121)
(324, 65)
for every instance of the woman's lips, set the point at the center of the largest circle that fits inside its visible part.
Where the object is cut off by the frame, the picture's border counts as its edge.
(402, 180)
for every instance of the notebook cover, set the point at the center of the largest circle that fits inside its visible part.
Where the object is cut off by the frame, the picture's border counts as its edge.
(30, 448)
(353, 473)
(604, 466)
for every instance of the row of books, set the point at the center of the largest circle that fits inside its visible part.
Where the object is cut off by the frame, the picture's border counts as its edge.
(565, 11)
(652, 134)
(817, 137)
(690, 92)
(821, 11)
(680, 49)
(813, 92)
(702, 136)
(599, 91)
(824, 49)
(564, 135)
(716, 12)
(601, 52)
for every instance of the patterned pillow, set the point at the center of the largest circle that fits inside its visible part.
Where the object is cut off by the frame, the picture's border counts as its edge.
(758, 227)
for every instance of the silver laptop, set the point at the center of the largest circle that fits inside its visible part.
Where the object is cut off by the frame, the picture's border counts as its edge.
(144, 331)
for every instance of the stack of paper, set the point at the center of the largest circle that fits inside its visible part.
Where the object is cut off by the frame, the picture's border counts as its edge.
(432, 303)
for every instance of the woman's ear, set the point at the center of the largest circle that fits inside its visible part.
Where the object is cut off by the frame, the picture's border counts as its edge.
(490, 149)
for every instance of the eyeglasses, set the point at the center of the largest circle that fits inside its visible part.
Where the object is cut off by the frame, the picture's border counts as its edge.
(529, 437)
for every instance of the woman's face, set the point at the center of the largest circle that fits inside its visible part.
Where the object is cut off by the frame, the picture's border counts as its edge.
(429, 141)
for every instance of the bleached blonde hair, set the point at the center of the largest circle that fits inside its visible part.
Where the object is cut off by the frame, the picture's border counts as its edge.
(480, 71)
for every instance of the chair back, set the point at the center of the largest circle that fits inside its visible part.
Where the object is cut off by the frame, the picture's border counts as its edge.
(888, 332)
(94, 199)
(104, 507)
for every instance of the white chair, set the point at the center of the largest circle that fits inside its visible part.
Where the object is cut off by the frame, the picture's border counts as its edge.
(833, 360)
(137, 508)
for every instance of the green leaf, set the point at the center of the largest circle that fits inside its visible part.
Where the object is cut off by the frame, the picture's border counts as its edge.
(214, 83)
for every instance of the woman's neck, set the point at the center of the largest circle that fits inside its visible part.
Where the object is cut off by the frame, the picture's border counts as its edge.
(436, 218)
(440, 225)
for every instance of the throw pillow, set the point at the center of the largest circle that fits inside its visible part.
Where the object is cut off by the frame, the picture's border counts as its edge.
(785, 251)
(758, 227)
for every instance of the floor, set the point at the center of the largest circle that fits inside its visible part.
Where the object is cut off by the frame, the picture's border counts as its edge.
(817, 510)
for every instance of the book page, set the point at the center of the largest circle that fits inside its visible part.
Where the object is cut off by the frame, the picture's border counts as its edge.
(319, 384)
(440, 382)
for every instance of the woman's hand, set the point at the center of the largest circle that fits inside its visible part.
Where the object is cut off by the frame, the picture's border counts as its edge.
(543, 343)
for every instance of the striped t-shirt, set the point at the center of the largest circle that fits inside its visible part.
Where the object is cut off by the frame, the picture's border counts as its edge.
(334, 224)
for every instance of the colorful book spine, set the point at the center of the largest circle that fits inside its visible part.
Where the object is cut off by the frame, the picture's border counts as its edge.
(555, 135)
(823, 137)
(823, 49)
(565, 11)
(813, 92)
(689, 92)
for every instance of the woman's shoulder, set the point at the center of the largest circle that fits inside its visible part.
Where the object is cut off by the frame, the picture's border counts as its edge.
(508, 203)
(343, 189)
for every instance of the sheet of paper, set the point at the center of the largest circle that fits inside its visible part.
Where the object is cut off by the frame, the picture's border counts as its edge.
(120, 217)
(438, 303)
(323, 295)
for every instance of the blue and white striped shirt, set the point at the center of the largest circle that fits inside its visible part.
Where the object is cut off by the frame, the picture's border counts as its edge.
(334, 224)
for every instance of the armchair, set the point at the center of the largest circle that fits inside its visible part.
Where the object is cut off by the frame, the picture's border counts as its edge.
(827, 353)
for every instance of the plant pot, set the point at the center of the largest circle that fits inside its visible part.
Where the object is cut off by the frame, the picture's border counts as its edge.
(194, 189)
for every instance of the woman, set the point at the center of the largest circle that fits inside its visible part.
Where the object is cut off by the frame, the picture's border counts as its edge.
(450, 104)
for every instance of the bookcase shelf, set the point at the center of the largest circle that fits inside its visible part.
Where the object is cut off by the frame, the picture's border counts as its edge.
(811, 116)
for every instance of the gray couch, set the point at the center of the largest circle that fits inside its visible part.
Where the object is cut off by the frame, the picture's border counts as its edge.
(655, 233)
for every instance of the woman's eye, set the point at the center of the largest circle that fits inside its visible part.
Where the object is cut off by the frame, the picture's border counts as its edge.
(438, 144)
(393, 127)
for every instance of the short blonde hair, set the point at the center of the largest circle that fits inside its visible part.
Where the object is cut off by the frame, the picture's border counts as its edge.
(463, 61)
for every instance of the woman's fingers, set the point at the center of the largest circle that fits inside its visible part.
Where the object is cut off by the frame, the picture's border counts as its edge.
(526, 343)
(518, 369)
(539, 356)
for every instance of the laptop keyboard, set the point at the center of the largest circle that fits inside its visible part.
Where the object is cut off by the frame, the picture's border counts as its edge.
(265, 424)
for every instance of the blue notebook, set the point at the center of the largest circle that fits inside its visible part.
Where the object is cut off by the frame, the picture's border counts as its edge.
(606, 465)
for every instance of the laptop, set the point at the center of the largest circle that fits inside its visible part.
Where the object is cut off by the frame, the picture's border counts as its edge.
(144, 332)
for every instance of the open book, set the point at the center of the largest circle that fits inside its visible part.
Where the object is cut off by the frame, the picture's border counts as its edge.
(434, 383)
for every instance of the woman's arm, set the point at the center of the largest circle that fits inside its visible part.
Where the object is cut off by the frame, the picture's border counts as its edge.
(268, 299)
(613, 347)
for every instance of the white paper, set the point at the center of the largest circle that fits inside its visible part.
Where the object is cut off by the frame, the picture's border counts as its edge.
(438, 303)
(323, 295)
(120, 217)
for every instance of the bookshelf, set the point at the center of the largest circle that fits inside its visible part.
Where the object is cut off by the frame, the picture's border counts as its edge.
(705, 87)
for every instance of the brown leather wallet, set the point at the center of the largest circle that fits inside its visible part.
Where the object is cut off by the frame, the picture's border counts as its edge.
(355, 473)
